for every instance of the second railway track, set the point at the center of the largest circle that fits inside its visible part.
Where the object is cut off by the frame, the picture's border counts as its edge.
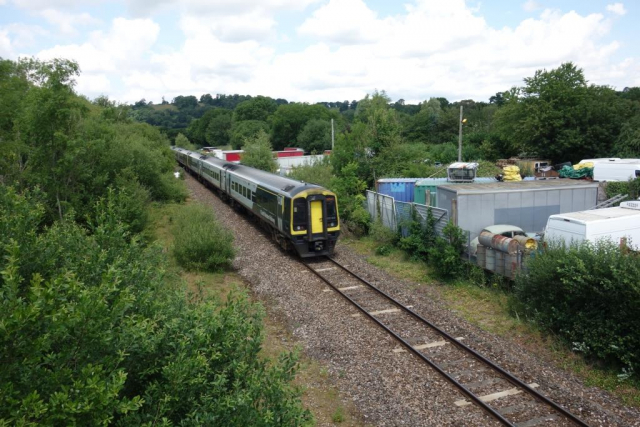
(503, 396)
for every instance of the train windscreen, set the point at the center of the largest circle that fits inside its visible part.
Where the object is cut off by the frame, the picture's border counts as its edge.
(332, 214)
(300, 217)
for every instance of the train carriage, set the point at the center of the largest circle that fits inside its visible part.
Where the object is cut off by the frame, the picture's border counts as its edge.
(301, 216)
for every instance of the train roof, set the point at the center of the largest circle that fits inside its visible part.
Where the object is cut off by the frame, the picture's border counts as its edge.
(272, 181)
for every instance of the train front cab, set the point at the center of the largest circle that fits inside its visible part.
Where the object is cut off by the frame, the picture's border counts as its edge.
(314, 223)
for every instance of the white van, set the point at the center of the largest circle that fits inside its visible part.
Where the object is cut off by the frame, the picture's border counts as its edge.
(597, 224)
(616, 170)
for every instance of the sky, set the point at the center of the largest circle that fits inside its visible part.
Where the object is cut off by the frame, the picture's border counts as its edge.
(323, 50)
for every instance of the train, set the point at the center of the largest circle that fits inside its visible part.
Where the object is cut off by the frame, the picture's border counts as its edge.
(300, 217)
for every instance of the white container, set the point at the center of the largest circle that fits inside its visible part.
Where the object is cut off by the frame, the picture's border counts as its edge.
(598, 224)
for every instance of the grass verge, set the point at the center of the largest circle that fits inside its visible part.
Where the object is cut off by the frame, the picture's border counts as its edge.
(320, 395)
(491, 309)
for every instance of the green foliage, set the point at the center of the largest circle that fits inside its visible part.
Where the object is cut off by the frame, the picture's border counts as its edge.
(558, 116)
(258, 153)
(445, 255)
(240, 131)
(315, 137)
(590, 296)
(383, 236)
(200, 242)
(338, 415)
(74, 150)
(420, 237)
(92, 335)
(349, 189)
(183, 142)
(258, 108)
(289, 120)
(631, 187)
(318, 172)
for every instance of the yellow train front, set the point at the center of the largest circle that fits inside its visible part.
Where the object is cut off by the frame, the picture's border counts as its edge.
(313, 225)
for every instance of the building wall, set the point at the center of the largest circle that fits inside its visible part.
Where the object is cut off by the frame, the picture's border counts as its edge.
(528, 210)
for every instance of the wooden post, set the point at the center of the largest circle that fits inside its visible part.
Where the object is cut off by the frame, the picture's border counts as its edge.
(427, 198)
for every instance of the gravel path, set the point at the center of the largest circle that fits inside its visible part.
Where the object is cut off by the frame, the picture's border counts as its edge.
(390, 388)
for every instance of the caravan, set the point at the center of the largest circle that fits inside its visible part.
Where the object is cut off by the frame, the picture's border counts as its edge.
(614, 224)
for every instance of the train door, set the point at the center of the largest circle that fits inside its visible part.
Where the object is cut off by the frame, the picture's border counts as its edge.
(280, 209)
(316, 217)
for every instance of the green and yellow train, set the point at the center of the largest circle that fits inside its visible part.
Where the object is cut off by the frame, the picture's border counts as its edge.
(300, 216)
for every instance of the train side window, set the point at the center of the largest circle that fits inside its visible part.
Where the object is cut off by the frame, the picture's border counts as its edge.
(332, 214)
(299, 214)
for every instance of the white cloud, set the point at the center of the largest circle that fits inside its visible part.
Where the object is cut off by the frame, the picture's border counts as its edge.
(344, 21)
(119, 52)
(67, 22)
(531, 5)
(431, 48)
(18, 36)
(217, 7)
(617, 8)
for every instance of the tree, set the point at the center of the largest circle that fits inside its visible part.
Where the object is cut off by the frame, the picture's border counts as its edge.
(49, 124)
(289, 120)
(206, 99)
(218, 130)
(185, 102)
(258, 153)
(556, 115)
(183, 142)
(245, 129)
(315, 136)
(258, 108)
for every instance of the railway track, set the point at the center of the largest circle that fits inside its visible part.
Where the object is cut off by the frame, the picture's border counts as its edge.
(504, 397)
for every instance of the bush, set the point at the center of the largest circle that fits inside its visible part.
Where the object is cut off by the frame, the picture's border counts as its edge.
(421, 237)
(93, 335)
(381, 234)
(200, 242)
(590, 296)
(349, 189)
(445, 255)
(631, 187)
(319, 173)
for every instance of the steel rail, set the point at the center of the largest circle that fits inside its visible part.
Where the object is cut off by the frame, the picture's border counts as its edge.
(409, 347)
(510, 377)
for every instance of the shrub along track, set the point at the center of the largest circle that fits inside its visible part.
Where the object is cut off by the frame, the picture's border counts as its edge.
(390, 388)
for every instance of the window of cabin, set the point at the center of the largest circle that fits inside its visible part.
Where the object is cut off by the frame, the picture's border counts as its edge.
(300, 217)
(332, 213)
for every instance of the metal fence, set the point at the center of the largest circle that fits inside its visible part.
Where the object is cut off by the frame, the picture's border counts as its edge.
(394, 213)
(382, 207)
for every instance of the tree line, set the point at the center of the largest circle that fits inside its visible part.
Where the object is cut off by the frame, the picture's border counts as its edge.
(556, 114)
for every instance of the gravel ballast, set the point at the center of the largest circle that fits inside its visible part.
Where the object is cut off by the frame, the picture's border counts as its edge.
(389, 388)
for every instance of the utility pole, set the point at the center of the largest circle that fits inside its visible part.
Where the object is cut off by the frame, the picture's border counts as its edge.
(332, 135)
(460, 137)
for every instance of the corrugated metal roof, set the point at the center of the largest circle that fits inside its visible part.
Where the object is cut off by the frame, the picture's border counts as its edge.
(508, 187)
(399, 179)
(443, 181)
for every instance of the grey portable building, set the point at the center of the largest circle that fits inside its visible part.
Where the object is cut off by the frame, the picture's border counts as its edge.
(525, 204)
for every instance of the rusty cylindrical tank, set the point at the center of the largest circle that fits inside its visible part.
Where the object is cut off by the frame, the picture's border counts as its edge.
(527, 243)
(498, 242)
